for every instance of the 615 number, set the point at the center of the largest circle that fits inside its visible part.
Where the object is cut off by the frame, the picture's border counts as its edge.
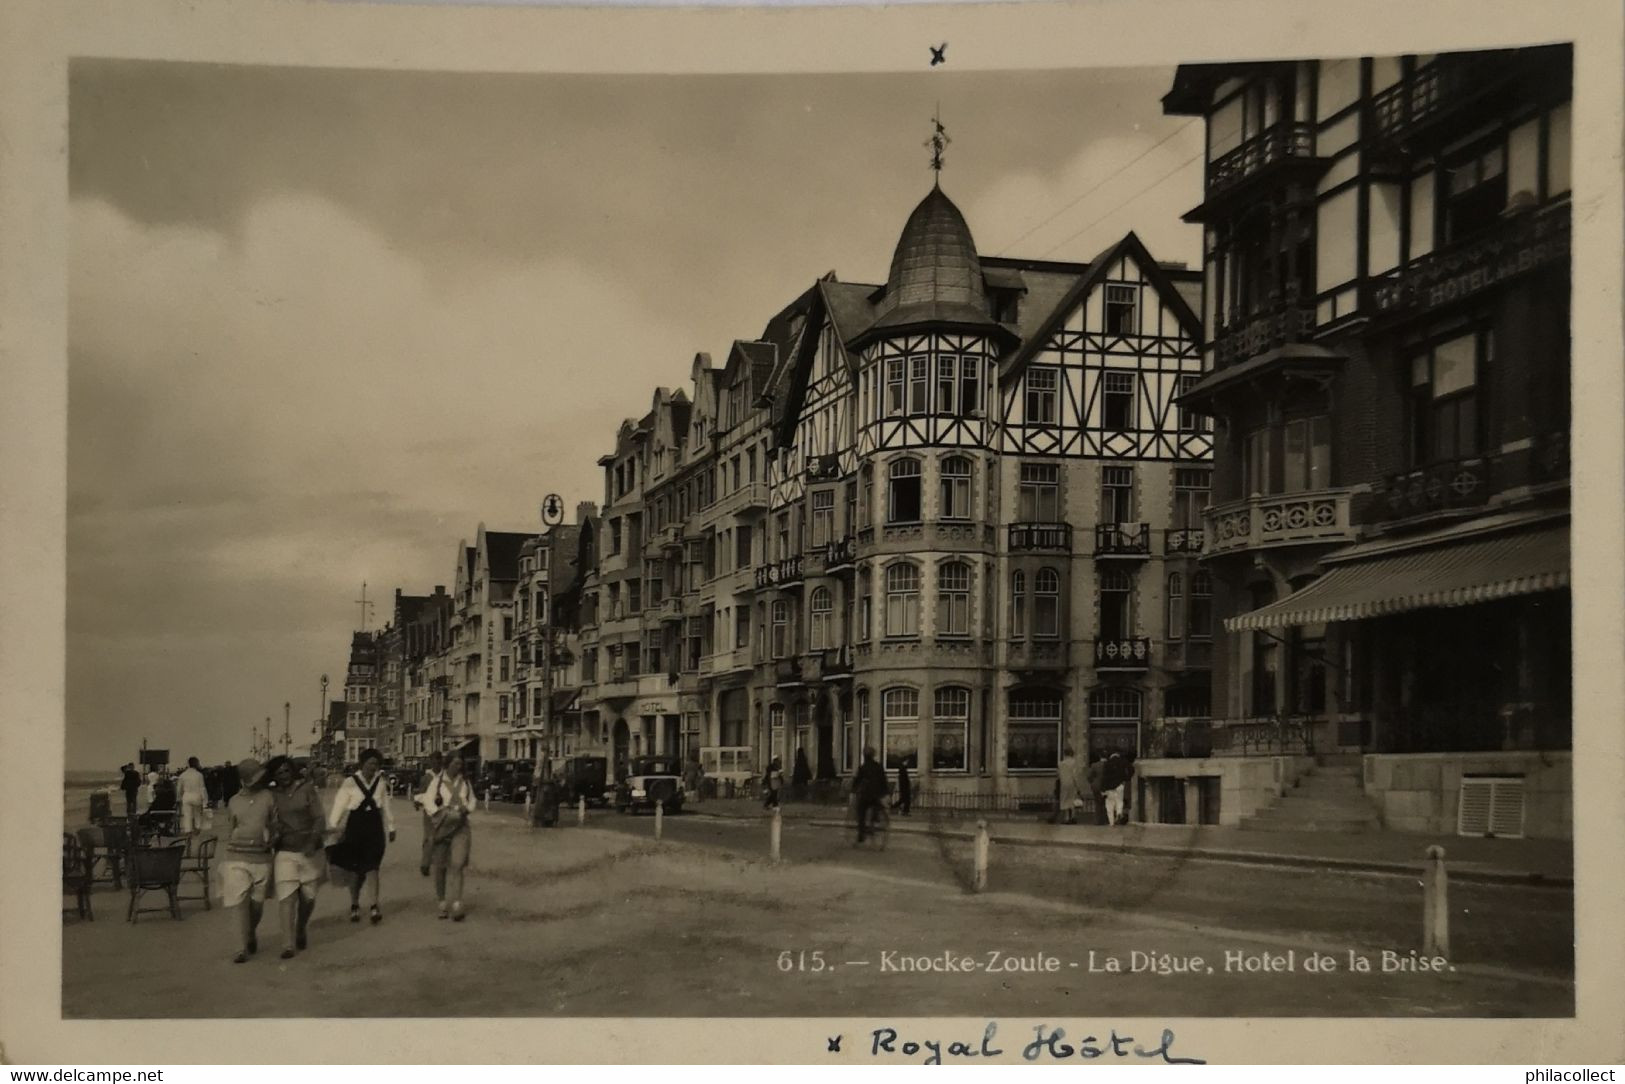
(802, 961)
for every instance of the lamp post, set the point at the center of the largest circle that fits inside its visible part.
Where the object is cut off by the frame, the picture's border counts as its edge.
(321, 716)
(267, 737)
(287, 739)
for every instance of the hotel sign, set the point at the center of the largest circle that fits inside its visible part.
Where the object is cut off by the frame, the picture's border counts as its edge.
(1458, 273)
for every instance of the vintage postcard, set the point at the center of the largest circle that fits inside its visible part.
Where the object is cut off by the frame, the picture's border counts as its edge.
(1025, 533)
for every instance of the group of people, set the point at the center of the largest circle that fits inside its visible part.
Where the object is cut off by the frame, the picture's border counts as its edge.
(280, 843)
(1104, 783)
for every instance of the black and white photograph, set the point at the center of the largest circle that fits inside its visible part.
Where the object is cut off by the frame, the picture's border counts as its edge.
(934, 542)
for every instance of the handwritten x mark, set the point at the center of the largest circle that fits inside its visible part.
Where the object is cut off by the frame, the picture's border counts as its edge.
(835, 1045)
(938, 54)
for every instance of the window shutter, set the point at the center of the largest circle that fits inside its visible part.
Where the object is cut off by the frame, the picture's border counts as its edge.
(1491, 806)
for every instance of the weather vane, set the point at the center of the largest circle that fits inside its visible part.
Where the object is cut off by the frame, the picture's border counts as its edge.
(938, 142)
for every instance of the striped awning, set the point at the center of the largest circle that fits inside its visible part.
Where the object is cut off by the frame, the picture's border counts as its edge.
(1460, 574)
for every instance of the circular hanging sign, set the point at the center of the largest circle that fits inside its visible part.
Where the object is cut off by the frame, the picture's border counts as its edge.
(552, 510)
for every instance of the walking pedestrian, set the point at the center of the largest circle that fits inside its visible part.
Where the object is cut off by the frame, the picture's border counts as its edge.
(131, 786)
(1070, 787)
(193, 792)
(868, 790)
(361, 810)
(437, 765)
(905, 790)
(772, 783)
(1095, 779)
(298, 864)
(452, 799)
(148, 791)
(1117, 774)
(245, 873)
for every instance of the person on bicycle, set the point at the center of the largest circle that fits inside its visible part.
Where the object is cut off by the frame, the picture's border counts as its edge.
(869, 788)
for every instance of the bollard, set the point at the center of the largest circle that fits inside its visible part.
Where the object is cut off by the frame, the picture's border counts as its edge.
(528, 818)
(581, 812)
(981, 855)
(660, 818)
(1435, 905)
(775, 834)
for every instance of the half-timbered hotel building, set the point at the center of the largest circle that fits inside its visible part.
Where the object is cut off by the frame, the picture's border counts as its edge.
(956, 516)
(1387, 304)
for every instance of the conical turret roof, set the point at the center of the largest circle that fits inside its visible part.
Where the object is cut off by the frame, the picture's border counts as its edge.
(936, 276)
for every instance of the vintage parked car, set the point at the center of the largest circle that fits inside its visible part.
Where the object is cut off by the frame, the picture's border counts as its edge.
(582, 777)
(649, 782)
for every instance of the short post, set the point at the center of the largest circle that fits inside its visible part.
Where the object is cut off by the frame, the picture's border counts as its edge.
(1435, 905)
(581, 812)
(660, 818)
(981, 855)
(528, 819)
(775, 833)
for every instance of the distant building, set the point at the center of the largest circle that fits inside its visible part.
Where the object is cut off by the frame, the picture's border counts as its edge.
(480, 659)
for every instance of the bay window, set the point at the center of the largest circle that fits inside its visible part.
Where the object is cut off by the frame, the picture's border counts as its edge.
(900, 728)
(903, 600)
(955, 474)
(950, 730)
(903, 491)
(953, 599)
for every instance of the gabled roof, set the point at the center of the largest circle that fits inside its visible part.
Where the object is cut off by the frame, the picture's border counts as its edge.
(1130, 246)
(502, 553)
(848, 306)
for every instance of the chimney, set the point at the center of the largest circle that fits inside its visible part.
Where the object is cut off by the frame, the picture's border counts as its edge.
(586, 510)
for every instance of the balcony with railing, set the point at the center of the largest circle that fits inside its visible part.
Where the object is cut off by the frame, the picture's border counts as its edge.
(787, 673)
(1288, 519)
(840, 554)
(837, 663)
(1129, 540)
(1039, 537)
(1441, 487)
(1520, 242)
(1281, 323)
(1122, 653)
(1033, 655)
(786, 572)
(1283, 143)
(1448, 94)
(1184, 541)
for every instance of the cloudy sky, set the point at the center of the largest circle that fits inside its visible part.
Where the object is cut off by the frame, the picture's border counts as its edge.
(324, 323)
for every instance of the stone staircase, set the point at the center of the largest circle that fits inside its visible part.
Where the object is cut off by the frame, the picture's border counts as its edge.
(1329, 798)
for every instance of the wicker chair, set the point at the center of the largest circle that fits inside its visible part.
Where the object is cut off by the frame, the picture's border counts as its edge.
(76, 875)
(153, 869)
(197, 862)
(105, 857)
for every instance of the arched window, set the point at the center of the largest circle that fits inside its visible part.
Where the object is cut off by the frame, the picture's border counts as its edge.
(900, 726)
(950, 730)
(1018, 605)
(953, 599)
(821, 606)
(1176, 606)
(1034, 731)
(903, 600)
(956, 474)
(903, 496)
(1201, 615)
(1047, 603)
(1116, 604)
(781, 628)
(1114, 703)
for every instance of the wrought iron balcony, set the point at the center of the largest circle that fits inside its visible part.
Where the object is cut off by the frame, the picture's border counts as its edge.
(1025, 537)
(1122, 653)
(1122, 540)
(1442, 487)
(1284, 142)
(1448, 94)
(1184, 540)
(1282, 520)
(840, 554)
(783, 573)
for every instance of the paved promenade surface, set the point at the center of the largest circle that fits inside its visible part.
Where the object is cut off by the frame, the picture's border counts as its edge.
(607, 921)
(1499, 860)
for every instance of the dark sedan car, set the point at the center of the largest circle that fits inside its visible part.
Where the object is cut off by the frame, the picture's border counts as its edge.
(650, 782)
